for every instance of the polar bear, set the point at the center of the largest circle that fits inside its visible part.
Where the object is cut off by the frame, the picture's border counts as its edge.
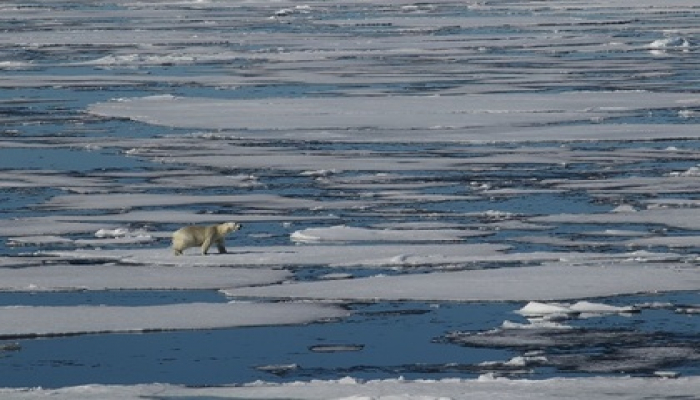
(204, 236)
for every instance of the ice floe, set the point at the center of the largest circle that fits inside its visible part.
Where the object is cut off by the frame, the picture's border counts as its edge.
(605, 388)
(40, 227)
(185, 217)
(111, 277)
(332, 255)
(545, 282)
(40, 240)
(407, 114)
(551, 311)
(25, 321)
(115, 201)
(685, 218)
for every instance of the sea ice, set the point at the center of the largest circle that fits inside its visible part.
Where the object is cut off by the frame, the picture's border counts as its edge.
(670, 43)
(119, 232)
(545, 282)
(684, 218)
(331, 255)
(407, 114)
(537, 309)
(487, 387)
(115, 201)
(26, 321)
(550, 311)
(113, 277)
(182, 217)
(36, 226)
(598, 308)
(39, 240)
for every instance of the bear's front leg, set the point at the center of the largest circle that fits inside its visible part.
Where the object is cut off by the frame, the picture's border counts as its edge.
(221, 246)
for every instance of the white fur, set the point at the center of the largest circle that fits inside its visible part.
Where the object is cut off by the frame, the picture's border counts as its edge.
(204, 236)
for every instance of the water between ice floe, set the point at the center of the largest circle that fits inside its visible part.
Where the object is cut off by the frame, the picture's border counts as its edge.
(388, 339)
(380, 340)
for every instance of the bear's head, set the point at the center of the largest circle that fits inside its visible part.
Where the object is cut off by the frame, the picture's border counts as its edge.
(229, 227)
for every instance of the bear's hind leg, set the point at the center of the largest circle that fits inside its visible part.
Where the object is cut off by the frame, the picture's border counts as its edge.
(205, 246)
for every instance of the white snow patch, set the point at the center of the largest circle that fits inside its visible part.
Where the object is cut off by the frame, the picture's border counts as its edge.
(538, 309)
(624, 208)
(599, 308)
(670, 42)
(690, 172)
(355, 234)
(618, 233)
(538, 324)
(122, 233)
(555, 311)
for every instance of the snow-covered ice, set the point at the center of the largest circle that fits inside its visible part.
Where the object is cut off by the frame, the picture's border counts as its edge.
(109, 277)
(332, 255)
(24, 321)
(409, 115)
(550, 311)
(556, 281)
(393, 389)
